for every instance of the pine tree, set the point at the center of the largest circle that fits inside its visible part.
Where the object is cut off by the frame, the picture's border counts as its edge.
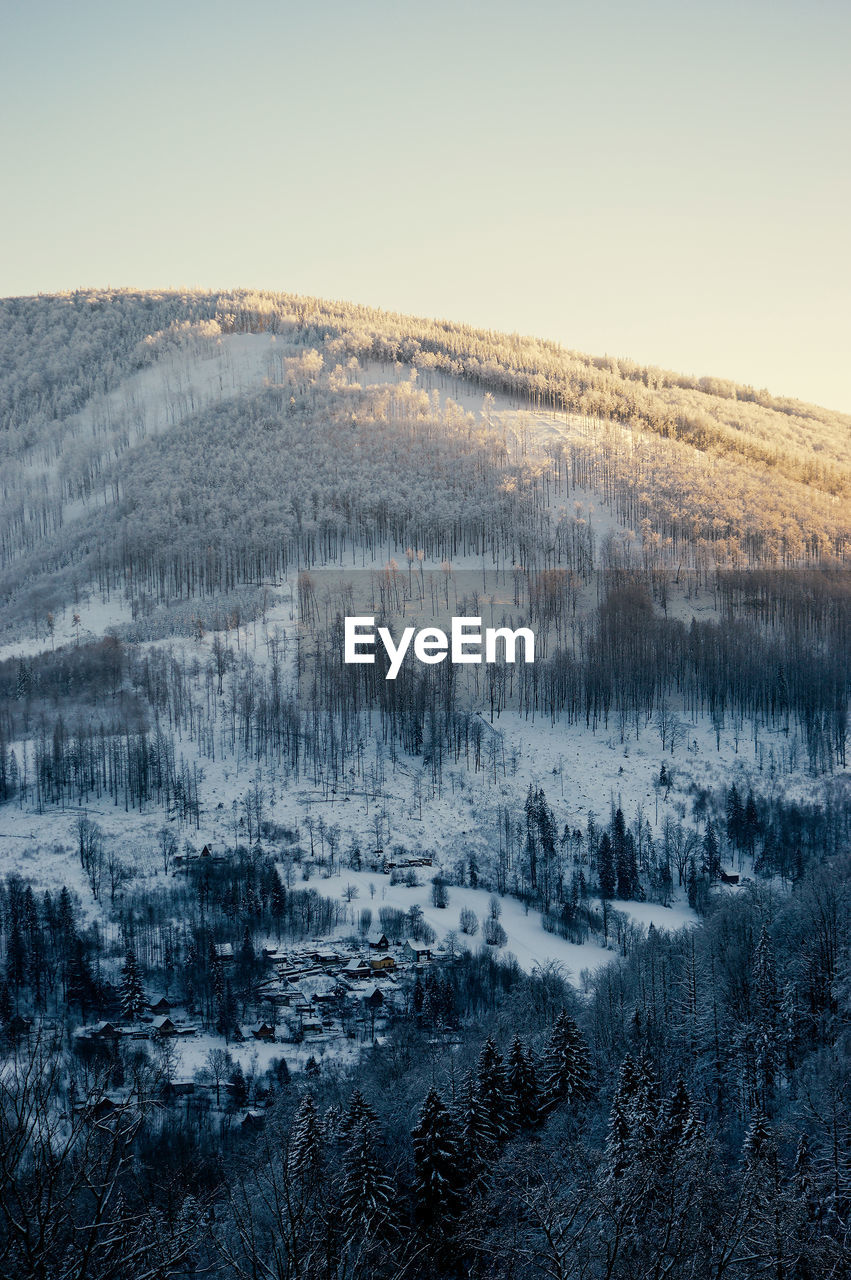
(522, 1083)
(644, 1109)
(5, 1003)
(679, 1112)
(132, 992)
(735, 817)
(691, 884)
(359, 1112)
(711, 852)
(492, 1088)
(16, 958)
(760, 1152)
(766, 1018)
(750, 825)
(618, 1140)
(606, 867)
(803, 1182)
(435, 1143)
(477, 1139)
(624, 858)
(238, 1087)
(367, 1194)
(566, 1065)
(80, 983)
(307, 1142)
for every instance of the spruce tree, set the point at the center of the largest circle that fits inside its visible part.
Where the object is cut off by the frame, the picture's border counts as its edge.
(307, 1142)
(711, 852)
(132, 992)
(359, 1113)
(367, 1194)
(80, 983)
(522, 1083)
(679, 1112)
(477, 1139)
(618, 1154)
(492, 1088)
(606, 867)
(735, 817)
(435, 1143)
(566, 1065)
(238, 1087)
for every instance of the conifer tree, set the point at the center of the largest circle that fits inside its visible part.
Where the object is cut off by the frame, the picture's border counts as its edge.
(435, 1143)
(679, 1112)
(477, 1138)
(366, 1192)
(492, 1088)
(566, 1065)
(711, 852)
(735, 817)
(606, 867)
(522, 1083)
(132, 992)
(307, 1142)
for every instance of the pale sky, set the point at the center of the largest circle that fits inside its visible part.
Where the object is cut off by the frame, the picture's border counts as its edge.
(664, 180)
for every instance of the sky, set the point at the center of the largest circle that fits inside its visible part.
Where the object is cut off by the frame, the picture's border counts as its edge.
(668, 181)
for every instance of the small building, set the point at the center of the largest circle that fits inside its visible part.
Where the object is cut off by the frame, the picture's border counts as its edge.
(382, 964)
(252, 1120)
(416, 952)
(224, 952)
(729, 879)
(104, 1031)
(373, 997)
(357, 968)
(164, 1026)
(177, 1089)
(325, 958)
(159, 1004)
(378, 941)
(263, 1031)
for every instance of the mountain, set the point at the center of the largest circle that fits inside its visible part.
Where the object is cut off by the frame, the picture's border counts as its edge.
(425, 966)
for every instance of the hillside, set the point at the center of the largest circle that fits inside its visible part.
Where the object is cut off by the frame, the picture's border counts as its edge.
(248, 889)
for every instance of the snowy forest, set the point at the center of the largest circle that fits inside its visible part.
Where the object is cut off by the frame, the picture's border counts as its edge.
(504, 971)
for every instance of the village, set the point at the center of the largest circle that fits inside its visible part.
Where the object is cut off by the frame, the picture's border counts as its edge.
(317, 1001)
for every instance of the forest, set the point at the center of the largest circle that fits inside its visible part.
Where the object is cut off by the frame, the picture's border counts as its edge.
(510, 970)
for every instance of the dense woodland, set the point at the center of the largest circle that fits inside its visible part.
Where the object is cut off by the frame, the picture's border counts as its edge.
(688, 1117)
(681, 1112)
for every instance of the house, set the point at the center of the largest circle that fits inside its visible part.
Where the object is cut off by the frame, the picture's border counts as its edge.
(177, 1089)
(159, 1004)
(378, 941)
(98, 1108)
(382, 964)
(731, 879)
(263, 1031)
(373, 997)
(325, 958)
(357, 968)
(416, 952)
(164, 1026)
(252, 1120)
(104, 1031)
